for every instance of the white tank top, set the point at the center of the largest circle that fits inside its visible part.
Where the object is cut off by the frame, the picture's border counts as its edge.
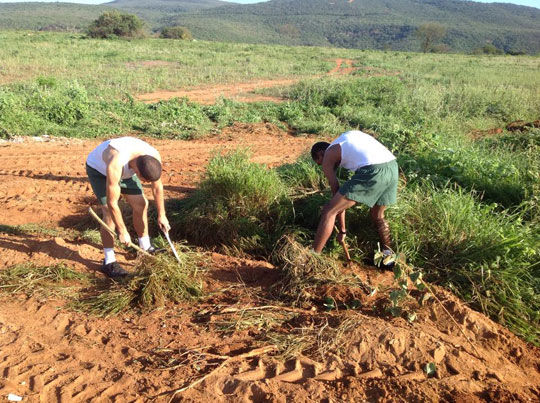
(359, 149)
(125, 147)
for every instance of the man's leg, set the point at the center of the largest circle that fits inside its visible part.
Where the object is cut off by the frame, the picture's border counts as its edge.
(328, 219)
(106, 237)
(139, 204)
(377, 216)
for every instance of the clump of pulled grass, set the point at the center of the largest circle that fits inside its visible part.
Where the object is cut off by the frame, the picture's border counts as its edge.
(31, 279)
(157, 280)
(304, 270)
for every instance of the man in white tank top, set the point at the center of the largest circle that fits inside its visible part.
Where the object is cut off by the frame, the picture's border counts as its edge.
(374, 184)
(116, 167)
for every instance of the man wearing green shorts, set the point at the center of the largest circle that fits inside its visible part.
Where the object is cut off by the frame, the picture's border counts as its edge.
(374, 183)
(117, 167)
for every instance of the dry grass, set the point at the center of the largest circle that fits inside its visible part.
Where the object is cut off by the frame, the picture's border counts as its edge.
(43, 281)
(304, 270)
(156, 281)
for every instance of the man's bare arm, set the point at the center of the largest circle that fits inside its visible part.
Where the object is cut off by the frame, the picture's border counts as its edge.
(114, 175)
(332, 158)
(157, 191)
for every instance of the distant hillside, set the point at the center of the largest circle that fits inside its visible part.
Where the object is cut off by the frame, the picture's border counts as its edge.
(155, 11)
(69, 16)
(388, 24)
(368, 23)
(53, 16)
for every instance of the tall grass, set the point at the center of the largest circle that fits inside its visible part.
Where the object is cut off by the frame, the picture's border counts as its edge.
(487, 256)
(239, 206)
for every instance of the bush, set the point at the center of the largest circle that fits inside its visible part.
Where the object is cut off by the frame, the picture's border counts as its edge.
(112, 24)
(176, 33)
(240, 206)
(488, 49)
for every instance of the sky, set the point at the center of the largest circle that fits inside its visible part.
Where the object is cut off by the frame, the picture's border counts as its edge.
(531, 3)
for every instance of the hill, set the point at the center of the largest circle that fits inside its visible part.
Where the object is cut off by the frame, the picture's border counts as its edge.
(48, 16)
(369, 23)
(342, 23)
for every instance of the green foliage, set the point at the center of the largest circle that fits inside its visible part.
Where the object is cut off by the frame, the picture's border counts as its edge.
(488, 257)
(358, 24)
(239, 205)
(113, 24)
(176, 33)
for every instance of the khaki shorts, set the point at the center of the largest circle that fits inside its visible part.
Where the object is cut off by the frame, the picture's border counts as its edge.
(98, 181)
(373, 185)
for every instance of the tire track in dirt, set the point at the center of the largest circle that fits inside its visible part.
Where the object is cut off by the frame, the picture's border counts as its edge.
(63, 356)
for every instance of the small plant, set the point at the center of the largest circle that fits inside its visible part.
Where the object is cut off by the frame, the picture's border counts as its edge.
(404, 273)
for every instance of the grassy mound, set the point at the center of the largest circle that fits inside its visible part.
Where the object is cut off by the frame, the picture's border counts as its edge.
(487, 256)
(238, 206)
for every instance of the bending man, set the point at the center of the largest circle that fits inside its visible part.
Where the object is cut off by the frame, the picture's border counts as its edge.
(374, 183)
(117, 167)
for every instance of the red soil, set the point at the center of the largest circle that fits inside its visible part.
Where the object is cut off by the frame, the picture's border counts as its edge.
(50, 353)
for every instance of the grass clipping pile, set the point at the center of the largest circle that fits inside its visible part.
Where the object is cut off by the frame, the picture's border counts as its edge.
(157, 280)
(306, 272)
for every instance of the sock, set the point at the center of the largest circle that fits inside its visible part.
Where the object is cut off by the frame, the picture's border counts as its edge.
(144, 242)
(109, 255)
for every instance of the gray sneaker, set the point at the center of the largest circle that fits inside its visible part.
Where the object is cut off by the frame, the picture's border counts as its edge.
(113, 270)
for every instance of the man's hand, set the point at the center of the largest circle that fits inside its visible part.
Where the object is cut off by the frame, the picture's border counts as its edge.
(341, 237)
(125, 238)
(163, 223)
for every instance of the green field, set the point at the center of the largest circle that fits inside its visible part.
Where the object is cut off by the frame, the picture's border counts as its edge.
(469, 213)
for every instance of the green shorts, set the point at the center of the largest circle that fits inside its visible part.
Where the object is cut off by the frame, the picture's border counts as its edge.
(98, 181)
(373, 184)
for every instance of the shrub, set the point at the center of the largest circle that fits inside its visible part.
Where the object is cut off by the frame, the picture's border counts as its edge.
(112, 24)
(240, 206)
(176, 33)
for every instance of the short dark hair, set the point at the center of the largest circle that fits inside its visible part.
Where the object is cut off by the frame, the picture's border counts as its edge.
(149, 167)
(318, 147)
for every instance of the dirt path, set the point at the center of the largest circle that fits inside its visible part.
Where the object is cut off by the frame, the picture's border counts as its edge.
(243, 92)
(49, 353)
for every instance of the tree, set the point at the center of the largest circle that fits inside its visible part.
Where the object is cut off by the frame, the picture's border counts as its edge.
(112, 24)
(176, 33)
(429, 34)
